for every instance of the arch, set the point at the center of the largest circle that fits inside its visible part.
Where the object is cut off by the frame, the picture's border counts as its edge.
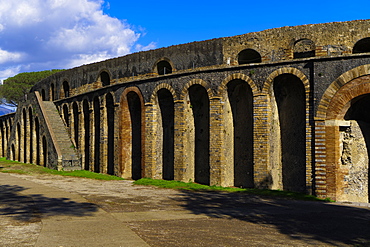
(44, 151)
(19, 143)
(197, 135)
(304, 48)
(43, 95)
(86, 115)
(97, 139)
(31, 135)
(12, 152)
(240, 113)
(109, 104)
(286, 70)
(222, 90)
(66, 89)
(362, 46)
(132, 131)
(184, 92)
(163, 66)
(166, 126)
(323, 113)
(24, 135)
(105, 78)
(288, 132)
(52, 92)
(154, 98)
(347, 98)
(248, 56)
(37, 136)
(66, 114)
(76, 123)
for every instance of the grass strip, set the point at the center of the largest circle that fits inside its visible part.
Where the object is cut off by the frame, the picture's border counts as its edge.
(200, 187)
(9, 166)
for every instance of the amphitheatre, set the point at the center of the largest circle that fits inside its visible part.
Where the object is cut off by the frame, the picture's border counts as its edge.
(285, 108)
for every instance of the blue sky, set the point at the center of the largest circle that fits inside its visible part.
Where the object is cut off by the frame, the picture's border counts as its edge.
(38, 35)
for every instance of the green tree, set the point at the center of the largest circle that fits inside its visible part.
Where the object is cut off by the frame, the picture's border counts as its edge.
(14, 88)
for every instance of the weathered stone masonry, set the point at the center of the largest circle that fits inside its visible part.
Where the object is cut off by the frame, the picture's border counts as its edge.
(285, 108)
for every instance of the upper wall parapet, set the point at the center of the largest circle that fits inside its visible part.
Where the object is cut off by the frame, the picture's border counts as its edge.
(285, 43)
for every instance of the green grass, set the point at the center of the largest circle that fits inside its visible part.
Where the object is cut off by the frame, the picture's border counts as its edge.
(8, 166)
(200, 187)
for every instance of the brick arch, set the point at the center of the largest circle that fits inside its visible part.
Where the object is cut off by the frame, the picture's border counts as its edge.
(238, 76)
(101, 71)
(153, 97)
(201, 82)
(154, 68)
(286, 70)
(337, 95)
(125, 134)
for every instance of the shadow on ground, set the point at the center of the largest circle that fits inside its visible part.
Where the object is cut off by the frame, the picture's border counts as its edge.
(300, 220)
(31, 207)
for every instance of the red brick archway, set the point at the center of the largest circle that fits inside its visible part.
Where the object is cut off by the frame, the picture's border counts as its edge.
(129, 131)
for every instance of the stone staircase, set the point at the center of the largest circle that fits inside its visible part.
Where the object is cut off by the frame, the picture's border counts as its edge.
(67, 154)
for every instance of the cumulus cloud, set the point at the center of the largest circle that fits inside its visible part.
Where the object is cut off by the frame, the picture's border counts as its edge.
(47, 34)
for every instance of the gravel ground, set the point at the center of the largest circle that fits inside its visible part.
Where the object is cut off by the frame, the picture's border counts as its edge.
(220, 218)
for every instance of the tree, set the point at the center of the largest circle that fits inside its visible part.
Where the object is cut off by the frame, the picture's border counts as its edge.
(14, 88)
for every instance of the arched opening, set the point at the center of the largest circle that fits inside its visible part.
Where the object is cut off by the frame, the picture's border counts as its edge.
(44, 151)
(200, 106)
(86, 113)
(110, 124)
(43, 96)
(164, 68)
(31, 140)
(19, 142)
(37, 129)
(304, 48)
(96, 105)
(52, 92)
(289, 96)
(76, 123)
(66, 115)
(241, 102)
(249, 56)
(355, 152)
(362, 46)
(66, 89)
(166, 105)
(105, 78)
(25, 139)
(13, 152)
(135, 108)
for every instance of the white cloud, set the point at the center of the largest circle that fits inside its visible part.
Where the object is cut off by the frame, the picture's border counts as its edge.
(47, 34)
(9, 72)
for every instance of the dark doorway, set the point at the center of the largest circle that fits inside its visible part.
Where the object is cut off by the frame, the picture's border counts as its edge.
(96, 135)
(37, 129)
(105, 78)
(66, 115)
(304, 48)
(66, 89)
(164, 68)
(110, 125)
(135, 109)
(86, 113)
(362, 46)
(24, 136)
(76, 123)
(45, 151)
(249, 56)
(290, 99)
(30, 119)
(200, 105)
(241, 101)
(166, 106)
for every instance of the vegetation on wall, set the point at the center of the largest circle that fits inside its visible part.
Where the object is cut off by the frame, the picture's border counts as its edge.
(14, 88)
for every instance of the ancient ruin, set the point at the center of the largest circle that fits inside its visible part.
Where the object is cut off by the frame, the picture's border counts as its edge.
(285, 108)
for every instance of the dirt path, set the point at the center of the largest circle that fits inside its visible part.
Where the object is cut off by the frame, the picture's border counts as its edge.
(164, 217)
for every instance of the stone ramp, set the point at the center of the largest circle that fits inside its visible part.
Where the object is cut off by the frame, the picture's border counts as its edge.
(57, 129)
(66, 219)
